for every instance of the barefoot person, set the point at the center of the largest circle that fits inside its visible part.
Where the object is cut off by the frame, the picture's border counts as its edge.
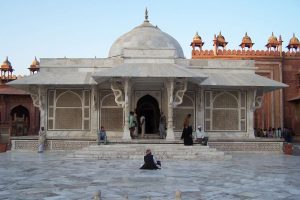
(143, 125)
(187, 132)
(150, 161)
(42, 140)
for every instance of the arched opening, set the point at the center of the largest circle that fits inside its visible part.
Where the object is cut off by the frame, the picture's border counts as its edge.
(148, 106)
(20, 121)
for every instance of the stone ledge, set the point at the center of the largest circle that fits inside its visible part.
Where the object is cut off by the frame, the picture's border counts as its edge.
(57, 145)
(260, 146)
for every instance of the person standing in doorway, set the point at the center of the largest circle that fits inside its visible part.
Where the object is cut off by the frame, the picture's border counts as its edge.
(131, 124)
(143, 125)
(42, 140)
(162, 126)
(135, 132)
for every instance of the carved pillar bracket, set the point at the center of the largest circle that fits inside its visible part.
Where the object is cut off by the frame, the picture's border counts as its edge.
(94, 98)
(38, 95)
(181, 84)
(116, 87)
(122, 92)
(33, 90)
(170, 89)
(257, 100)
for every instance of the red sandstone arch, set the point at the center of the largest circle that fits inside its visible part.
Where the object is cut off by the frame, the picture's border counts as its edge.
(20, 120)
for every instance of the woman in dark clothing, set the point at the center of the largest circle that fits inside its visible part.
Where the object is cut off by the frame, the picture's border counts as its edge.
(187, 132)
(150, 161)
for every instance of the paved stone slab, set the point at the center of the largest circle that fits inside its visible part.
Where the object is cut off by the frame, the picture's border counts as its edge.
(54, 176)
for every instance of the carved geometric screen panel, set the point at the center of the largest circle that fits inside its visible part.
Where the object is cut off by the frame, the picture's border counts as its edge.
(69, 109)
(225, 111)
(68, 99)
(180, 115)
(181, 111)
(111, 115)
(112, 118)
(68, 118)
(225, 120)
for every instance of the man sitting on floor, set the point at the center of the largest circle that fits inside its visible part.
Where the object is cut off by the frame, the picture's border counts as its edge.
(150, 161)
(201, 136)
(102, 138)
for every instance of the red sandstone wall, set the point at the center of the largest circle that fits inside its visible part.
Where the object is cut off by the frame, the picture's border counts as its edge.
(281, 68)
(291, 109)
(9, 102)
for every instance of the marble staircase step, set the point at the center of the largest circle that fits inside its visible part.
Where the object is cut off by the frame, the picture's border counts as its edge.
(161, 151)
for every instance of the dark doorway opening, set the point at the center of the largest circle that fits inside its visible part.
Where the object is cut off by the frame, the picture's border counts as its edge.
(20, 121)
(148, 106)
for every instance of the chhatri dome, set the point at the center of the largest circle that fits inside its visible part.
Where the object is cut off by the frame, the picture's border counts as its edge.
(145, 37)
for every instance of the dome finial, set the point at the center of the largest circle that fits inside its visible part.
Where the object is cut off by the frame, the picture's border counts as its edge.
(146, 15)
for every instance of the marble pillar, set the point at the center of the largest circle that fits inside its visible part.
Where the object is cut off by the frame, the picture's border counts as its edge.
(170, 90)
(126, 108)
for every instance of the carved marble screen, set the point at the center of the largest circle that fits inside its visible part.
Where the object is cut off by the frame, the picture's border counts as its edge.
(225, 110)
(111, 115)
(181, 111)
(68, 109)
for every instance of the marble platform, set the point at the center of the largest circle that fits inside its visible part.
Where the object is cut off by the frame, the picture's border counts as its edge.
(30, 143)
(54, 176)
(161, 151)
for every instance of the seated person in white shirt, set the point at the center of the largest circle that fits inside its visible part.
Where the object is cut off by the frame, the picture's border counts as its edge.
(201, 136)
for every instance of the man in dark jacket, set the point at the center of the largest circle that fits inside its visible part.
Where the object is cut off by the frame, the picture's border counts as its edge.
(150, 161)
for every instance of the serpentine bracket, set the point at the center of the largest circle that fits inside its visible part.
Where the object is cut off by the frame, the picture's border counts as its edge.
(257, 99)
(116, 85)
(181, 84)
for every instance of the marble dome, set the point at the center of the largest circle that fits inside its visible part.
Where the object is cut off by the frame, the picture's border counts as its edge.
(145, 37)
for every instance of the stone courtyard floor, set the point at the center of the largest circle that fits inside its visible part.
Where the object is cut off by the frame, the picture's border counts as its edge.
(54, 176)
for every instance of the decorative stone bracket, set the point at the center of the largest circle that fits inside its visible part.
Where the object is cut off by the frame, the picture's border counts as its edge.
(181, 85)
(38, 96)
(122, 92)
(257, 99)
(94, 96)
(116, 87)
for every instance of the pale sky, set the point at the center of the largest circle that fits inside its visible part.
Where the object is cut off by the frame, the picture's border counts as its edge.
(87, 28)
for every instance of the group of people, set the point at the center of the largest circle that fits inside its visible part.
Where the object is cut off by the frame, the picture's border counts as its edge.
(133, 125)
(285, 133)
(187, 133)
